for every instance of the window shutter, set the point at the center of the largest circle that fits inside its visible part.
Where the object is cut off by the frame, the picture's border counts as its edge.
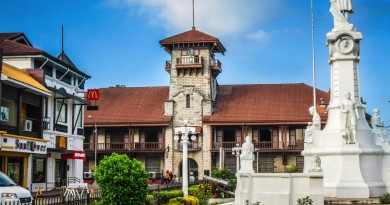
(256, 135)
(238, 136)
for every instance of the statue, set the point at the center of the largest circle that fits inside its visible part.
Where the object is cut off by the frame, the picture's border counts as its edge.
(315, 124)
(316, 120)
(316, 164)
(349, 109)
(247, 149)
(378, 127)
(341, 10)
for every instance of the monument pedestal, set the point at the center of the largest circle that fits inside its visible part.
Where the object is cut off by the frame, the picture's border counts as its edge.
(246, 165)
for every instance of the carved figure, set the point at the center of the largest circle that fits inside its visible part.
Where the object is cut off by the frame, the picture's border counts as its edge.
(349, 109)
(316, 164)
(316, 120)
(247, 149)
(378, 126)
(341, 10)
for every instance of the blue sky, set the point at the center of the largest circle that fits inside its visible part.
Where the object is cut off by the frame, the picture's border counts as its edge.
(116, 41)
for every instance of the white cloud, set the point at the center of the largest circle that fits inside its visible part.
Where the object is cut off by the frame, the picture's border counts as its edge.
(259, 36)
(217, 17)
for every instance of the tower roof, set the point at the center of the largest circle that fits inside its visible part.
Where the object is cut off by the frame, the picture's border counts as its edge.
(191, 37)
(64, 58)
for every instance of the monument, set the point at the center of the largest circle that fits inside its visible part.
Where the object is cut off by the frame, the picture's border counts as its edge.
(350, 157)
(247, 157)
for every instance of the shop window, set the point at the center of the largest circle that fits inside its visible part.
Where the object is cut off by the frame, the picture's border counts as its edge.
(39, 173)
(61, 110)
(8, 113)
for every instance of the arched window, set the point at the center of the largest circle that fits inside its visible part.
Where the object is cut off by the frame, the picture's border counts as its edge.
(188, 101)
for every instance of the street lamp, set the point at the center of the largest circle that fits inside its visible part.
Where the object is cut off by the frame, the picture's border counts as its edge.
(237, 151)
(94, 136)
(184, 141)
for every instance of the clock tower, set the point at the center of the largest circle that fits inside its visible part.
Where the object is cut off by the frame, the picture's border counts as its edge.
(193, 71)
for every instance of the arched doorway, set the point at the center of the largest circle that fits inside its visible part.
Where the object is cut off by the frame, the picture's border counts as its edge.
(193, 172)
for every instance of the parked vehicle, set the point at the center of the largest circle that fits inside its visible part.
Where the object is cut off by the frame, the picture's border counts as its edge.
(11, 193)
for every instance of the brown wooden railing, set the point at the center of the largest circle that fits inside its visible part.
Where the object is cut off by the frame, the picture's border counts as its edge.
(189, 60)
(216, 64)
(121, 146)
(297, 145)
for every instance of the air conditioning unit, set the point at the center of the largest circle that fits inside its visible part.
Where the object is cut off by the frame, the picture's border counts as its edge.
(88, 175)
(28, 125)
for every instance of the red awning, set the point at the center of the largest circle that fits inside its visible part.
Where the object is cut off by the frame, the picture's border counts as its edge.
(75, 155)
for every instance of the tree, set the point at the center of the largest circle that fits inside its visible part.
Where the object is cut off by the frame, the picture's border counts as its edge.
(121, 180)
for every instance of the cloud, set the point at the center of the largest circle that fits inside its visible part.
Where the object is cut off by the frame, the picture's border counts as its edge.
(217, 17)
(259, 36)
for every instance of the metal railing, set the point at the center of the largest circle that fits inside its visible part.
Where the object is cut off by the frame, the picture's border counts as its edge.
(267, 145)
(194, 146)
(189, 60)
(121, 146)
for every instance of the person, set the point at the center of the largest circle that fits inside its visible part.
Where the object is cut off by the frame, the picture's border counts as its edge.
(171, 176)
(167, 177)
(346, 8)
(348, 107)
(247, 149)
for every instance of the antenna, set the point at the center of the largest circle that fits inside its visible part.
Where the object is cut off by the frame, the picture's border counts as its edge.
(193, 15)
(313, 56)
(62, 39)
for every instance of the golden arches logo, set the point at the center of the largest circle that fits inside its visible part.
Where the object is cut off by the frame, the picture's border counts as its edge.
(93, 94)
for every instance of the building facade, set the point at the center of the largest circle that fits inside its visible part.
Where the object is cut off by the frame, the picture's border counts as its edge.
(143, 122)
(59, 116)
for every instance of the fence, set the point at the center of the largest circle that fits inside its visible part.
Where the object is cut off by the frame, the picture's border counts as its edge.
(68, 199)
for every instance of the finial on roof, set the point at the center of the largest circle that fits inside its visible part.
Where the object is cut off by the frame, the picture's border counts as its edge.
(193, 15)
(62, 39)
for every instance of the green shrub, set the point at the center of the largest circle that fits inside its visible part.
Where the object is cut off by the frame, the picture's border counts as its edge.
(225, 174)
(385, 199)
(291, 168)
(121, 180)
(305, 201)
(191, 200)
(177, 201)
(163, 197)
(149, 200)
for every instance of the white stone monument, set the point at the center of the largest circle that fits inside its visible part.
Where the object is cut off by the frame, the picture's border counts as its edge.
(247, 156)
(351, 159)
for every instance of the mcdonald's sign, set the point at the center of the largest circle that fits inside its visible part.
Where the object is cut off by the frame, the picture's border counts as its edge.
(93, 94)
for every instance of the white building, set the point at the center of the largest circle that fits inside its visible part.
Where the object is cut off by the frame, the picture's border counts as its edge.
(62, 112)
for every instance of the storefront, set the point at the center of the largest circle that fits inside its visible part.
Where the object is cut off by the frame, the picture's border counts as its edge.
(17, 158)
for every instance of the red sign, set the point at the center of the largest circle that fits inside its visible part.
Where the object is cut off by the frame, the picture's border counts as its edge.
(93, 94)
(75, 155)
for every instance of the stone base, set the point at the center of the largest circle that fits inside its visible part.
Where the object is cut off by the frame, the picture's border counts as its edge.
(279, 189)
(246, 166)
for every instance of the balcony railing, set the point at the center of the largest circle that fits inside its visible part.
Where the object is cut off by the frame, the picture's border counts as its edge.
(168, 66)
(120, 146)
(189, 61)
(297, 145)
(216, 64)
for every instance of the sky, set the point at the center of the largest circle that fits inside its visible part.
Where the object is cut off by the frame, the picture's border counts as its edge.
(267, 42)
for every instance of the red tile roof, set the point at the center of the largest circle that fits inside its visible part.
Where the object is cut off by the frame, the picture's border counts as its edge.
(265, 104)
(11, 47)
(133, 105)
(193, 36)
(235, 104)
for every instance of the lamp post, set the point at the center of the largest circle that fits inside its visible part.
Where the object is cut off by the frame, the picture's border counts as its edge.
(237, 151)
(94, 136)
(184, 141)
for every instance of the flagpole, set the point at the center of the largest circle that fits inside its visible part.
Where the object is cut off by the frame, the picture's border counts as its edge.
(313, 56)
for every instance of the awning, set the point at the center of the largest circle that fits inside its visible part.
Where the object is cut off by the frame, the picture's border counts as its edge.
(21, 77)
(61, 93)
(75, 155)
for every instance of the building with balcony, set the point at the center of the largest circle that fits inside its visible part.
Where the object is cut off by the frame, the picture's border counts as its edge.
(143, 122)
(56, 118)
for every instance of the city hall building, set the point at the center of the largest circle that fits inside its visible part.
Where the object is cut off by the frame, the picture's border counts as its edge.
(143, 122)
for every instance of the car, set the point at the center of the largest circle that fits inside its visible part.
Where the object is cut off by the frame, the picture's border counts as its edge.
(11, 193)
